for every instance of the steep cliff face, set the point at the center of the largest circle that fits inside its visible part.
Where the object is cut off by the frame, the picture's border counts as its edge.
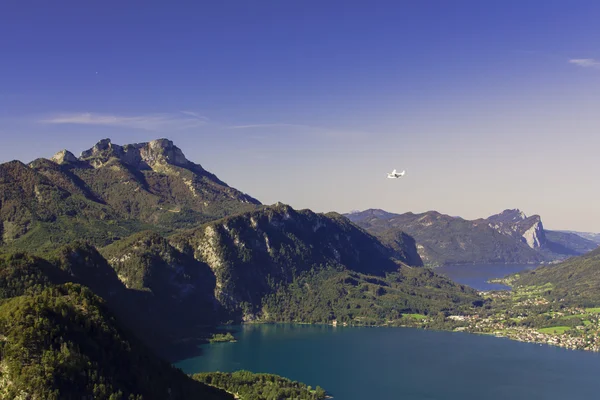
(281, 264)
(507, 237)
(515, 223)
(138, 155)
(253, 254)
(442, 239)
(534, 236)
(177, 283)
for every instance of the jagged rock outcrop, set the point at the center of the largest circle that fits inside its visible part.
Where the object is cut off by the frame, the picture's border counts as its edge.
(64, 157)
(123, 187)
(138, 155)
(253, 253)
(147, 261)
(515, 223)
(508, 216)
(555, 245)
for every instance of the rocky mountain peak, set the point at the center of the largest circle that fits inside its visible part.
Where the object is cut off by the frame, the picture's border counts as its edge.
(101, 146)
(162, 150)
(64, 157)
(140, 155)
(514, 222)
(509, 215)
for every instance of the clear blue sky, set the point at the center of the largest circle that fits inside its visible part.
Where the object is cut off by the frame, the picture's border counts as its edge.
(487, 104)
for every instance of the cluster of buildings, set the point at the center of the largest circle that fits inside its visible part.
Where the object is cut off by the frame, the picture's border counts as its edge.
(580, 337)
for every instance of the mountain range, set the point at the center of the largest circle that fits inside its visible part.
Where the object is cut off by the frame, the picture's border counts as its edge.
(507, 237)
(109, 192)
(115, 260)
(136, 243)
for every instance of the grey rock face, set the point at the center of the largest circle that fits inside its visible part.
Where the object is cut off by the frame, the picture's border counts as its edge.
(138, 155)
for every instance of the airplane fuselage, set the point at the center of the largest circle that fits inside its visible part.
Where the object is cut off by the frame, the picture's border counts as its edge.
(395, 174)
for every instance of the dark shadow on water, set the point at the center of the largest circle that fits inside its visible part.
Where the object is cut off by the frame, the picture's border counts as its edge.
(183, 349)
(192, 346)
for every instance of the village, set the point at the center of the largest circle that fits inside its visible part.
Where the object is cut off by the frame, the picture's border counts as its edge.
(533, 319)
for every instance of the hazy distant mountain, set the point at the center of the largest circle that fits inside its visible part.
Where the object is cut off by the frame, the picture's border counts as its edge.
(594, 237)
(507, 237)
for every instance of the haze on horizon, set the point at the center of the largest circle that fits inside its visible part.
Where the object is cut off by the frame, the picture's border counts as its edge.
(487, 106)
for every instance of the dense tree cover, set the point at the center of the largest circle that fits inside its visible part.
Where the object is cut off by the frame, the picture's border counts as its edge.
(165, 283)
(148, 261)
(273, 264)
(44, 237)
(575, 281)
(222, 337)
(38, 213)
(322, 296)
(24, 274)
(251, 386)
(63, 344)
(254, 254)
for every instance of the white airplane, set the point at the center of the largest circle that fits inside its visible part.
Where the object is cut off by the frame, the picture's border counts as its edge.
(394, 174)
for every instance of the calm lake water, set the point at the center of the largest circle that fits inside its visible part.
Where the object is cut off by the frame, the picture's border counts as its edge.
(405, 363)
(477, 275)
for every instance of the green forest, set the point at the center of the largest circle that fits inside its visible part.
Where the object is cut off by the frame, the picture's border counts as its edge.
(251, 386)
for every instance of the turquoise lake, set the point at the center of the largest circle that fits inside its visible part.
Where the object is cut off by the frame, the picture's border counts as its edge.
(354, 363)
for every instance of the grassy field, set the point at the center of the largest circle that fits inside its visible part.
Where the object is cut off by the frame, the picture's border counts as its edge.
(574, 316)
(559, 330)
(528, 292)
(593, 310)
(415, 316)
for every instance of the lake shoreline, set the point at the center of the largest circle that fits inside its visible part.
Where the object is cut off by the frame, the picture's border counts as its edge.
(524, 335)
(346, 361)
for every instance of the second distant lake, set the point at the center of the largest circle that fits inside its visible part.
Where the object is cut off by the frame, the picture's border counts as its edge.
(477, 275)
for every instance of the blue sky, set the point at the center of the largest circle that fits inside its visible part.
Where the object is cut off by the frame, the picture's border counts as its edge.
(487, 104)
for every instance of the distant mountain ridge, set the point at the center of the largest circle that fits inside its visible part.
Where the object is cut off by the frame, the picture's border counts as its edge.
(507, 237)
(594, 237)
